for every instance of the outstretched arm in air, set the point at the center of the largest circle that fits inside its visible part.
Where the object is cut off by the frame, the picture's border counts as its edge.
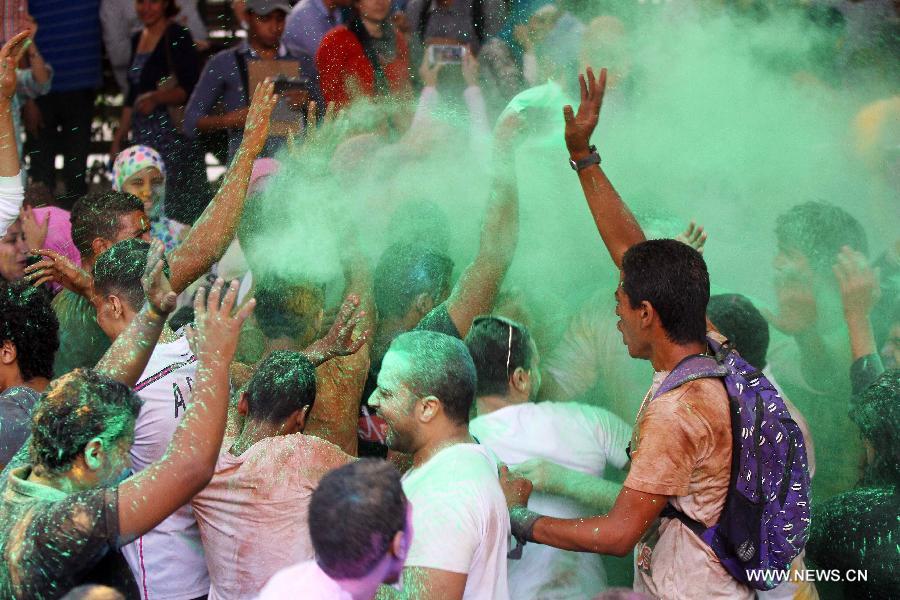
(477, 288)
(212, 233)
(617, 226)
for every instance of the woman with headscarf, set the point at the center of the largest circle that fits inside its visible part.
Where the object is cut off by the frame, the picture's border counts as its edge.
(366, 57)
(165, 67)
(140, 170)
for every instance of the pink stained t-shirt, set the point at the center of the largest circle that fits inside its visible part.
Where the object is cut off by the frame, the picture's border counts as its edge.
(253, 514)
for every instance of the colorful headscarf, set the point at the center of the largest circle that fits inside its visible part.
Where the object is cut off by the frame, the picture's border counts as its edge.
(134, 159)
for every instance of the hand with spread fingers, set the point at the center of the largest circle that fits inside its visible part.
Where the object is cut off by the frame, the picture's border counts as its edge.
(217, 326)
(56, 268)
(693, 236)
(580, 126)
(340, 341)
(155, 282)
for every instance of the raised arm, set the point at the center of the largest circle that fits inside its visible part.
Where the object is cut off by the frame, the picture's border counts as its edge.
(617, 226)
(11, 191)
(127, 358)
(214, 230)
(187, 466)
(340, 382)
(477, 288)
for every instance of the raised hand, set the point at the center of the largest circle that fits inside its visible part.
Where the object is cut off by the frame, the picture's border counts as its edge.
(56, 268)
(858, 283)
(693, 236)
(10, 55)
(155, 283)
(339, 340)
(35, 231)
(256, 127)
(580, 126)
(217, 326)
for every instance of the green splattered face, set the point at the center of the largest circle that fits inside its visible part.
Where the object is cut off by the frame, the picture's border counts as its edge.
(395, 403)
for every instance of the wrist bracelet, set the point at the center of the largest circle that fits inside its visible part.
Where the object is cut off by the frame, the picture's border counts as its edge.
(522, 522)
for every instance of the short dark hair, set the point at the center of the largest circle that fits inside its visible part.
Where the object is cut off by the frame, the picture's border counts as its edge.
(405, 271)
(877, 414)
(283, 383)
(819, 230)
(119, 271)
(30, 324)
(354, 515)
(77, 407)
(741, 322)
(672, 277)
(288, 307)
(441, 366)
(498, 347)
(97, 216)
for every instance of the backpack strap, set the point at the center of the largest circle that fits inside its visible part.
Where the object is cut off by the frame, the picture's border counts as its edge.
(670, 512)
(696, 366)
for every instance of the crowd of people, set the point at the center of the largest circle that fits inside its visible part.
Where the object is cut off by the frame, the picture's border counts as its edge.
(291, 383)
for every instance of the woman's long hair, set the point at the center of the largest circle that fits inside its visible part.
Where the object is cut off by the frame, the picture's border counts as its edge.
(357, 27)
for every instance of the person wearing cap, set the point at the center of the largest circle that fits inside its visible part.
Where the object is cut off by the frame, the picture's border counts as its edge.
(226, 79)
(308, 23)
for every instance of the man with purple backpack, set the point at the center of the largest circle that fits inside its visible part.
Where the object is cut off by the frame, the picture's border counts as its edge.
(716, 501)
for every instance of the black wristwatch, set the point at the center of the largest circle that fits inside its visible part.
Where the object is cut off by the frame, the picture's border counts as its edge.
(591, 159)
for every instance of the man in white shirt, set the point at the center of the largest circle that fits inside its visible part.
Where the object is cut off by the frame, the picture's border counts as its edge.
(361, 528)
(579, 437)
(168, 561)
(425, 391)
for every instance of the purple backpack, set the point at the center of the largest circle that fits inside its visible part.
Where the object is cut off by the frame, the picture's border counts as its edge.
(764, 524)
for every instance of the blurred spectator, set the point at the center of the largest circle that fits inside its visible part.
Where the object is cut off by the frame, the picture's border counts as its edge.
(164, 68)
(69, 33)
(226, 80)
(13, 18)
(368, 56)
(120, 21)
(309, 21)
(454, 22)
(31, 82)
(140, 170)
(13, 253)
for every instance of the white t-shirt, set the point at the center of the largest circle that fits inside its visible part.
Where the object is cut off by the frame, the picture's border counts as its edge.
(304, 580)
(168, 561)
(460, 519)
(577, 436)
